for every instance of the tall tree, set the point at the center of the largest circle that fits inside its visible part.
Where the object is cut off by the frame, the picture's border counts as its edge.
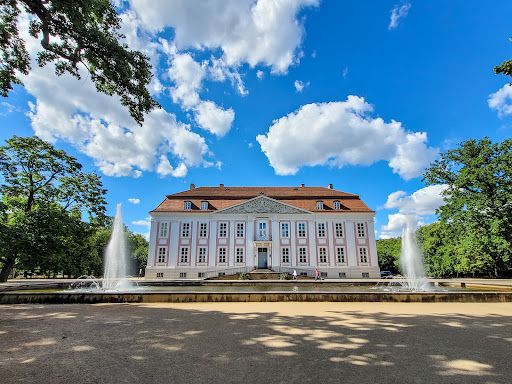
(41, 180)
(74, 34)
(478, 204)
(388, 252)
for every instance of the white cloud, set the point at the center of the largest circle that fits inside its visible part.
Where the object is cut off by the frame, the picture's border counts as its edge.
(263, 32)
(416, 207)
(134, 200)
(341, 133)
(98, 125)
(142, 223)
(214, 119)
(299, 85)
(398, 12)
(344, 73)
(501, 100)
(260, 74)
(165, 168)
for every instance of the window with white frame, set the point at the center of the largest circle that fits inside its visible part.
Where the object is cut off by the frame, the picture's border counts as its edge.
(240, 230)
(239, 255)
(301, 229)
(185, 230)
(361, 231)
(285, 255)
(340, 255)
(164, 229)
(285, 230)
(337, 205)
(222, 255)
(319, 205)
(188, 205)
(321, 229)
(204, 205)
(201, 256)
(322, 255)
(203, 229)
(338, 229)
(363, 255)
(162, 254)
(223, 229)
(303, 255)
(262, 230)
(184, 255)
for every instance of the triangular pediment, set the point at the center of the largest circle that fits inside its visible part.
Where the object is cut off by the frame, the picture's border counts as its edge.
(263, 204)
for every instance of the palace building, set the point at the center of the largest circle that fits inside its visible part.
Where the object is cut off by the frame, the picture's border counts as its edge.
(211, 231)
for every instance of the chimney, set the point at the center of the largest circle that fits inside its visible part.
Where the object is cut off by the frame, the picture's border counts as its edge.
(192, 186)
(221, 185)
(330, 186)
(302, 185)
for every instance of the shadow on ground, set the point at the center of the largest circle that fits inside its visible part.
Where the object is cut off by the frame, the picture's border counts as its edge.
(127, 343)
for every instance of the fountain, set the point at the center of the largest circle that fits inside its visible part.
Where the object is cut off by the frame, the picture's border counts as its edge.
(411, 259)
(116, 257)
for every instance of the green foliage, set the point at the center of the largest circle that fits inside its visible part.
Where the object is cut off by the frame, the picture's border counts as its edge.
(504, 68)
(388, 252)
(74, 34)
(474, 236)
(243, 276)
(283, 276)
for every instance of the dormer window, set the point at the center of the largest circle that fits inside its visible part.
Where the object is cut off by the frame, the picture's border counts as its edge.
(188, 205)
(204, 205)
(337, 205)
(319, 205)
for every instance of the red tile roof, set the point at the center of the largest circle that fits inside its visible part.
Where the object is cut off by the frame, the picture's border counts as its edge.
(302, 197)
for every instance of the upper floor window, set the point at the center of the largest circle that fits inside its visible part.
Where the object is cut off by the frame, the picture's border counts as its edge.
(337, 205)
(185, 230)
(162, 253)
(164, 228)
(188, 205)
(363, 255)
(361, 231)
(319, 205)
(262, 230)
(321, 229)
(285, 230)
(223, 229)
(338, 229)
(301, 229)
(204, 205)
(203, 230)
(240, 230)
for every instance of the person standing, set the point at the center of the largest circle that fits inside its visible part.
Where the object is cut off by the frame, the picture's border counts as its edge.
(294, 274)
(317, 274)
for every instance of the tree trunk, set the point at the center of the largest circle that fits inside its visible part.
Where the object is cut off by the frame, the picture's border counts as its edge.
(6, 270)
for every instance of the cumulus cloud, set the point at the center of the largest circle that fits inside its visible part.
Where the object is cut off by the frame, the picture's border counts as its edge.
(260, 74)
(134, 200)
(501, 100)
(263, 32)
(142, 223)
(299, 85)
(416, 207)
(343, 133)
(397, 13)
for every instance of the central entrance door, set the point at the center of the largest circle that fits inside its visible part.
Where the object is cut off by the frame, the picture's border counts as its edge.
(262, 257)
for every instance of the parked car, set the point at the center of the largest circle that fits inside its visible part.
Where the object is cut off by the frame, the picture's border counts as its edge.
(386, 274)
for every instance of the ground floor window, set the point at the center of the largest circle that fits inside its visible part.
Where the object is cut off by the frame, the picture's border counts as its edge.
(222, 255)
(363, 255)
(162, 254)
(366, 275)
(239, 255)
(184, 255)
(322, 255)
(183, 274)
(159, 274)
(285, 255)
(340, 255)
(342, 275)
(303, 255)
(201, 257)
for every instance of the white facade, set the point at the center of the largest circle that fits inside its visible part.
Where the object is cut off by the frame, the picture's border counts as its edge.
(262, 233)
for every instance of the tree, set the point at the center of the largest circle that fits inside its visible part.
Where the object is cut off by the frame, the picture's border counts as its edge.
(388, 252)
(477, 214)
(41, 187)
(504, 68)
(74, 34)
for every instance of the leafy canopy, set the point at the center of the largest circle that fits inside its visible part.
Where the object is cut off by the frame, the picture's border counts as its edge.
(74, 34)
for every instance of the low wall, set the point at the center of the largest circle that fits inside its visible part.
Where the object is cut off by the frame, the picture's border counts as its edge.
(183, 297)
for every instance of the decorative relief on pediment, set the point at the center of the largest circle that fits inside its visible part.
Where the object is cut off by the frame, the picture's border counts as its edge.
(263, 205)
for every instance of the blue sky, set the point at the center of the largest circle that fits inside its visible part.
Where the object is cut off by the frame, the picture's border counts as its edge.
(255, 93)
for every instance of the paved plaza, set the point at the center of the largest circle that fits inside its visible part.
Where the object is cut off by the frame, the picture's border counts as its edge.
(256, 343)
